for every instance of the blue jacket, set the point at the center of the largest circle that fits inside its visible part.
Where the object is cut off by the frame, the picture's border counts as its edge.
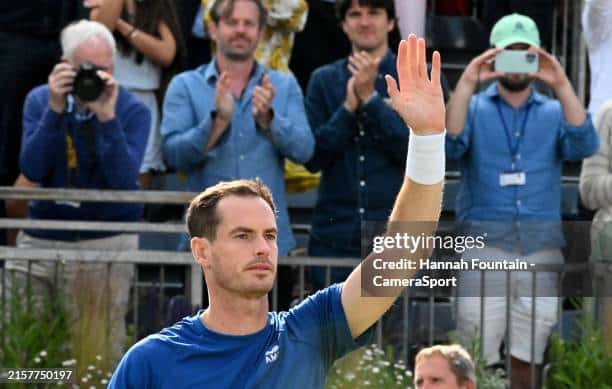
(107, 159)
(361, 155)
(483, 152)
(244, 151)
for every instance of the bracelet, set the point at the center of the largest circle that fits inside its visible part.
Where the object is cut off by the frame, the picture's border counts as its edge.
(129, 36)
(426, 160)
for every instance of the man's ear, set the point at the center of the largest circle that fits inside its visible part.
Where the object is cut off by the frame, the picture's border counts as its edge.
(200, 249)
(390, 25)
(212, 30)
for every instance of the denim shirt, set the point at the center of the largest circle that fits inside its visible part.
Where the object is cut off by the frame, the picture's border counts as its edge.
(244, 151)
(362, 155)
(526, 217)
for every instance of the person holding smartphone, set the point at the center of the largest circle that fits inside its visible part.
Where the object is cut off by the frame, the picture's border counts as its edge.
(511, 141)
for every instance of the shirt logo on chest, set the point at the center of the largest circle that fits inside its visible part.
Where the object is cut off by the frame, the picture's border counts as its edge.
(272, 354)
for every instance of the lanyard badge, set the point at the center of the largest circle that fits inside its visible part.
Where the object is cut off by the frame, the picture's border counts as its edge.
(514, 176)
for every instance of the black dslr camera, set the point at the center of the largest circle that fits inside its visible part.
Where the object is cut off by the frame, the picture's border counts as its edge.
(87, 86)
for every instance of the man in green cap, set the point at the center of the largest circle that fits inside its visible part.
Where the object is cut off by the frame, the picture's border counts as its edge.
(511, 141)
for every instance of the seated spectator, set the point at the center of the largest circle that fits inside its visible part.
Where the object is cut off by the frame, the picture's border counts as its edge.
(444, 367)
(511, 142)
(82, 138)
(235, 118)
(596, 194)
(148, 41)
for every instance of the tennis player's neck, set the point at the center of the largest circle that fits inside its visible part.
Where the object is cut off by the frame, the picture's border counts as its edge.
(236, 317)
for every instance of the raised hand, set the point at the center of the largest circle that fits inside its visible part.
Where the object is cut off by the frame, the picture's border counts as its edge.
(352, 101)
(418, 100)
(60, 84)
(224, 100)
(262, 102)
(104, 106)
(551, 71)
(480, 69)
(364, 69)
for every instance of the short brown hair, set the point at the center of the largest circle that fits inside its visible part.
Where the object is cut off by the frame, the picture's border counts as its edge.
(202, 216)
(458, 359)
(223, 9)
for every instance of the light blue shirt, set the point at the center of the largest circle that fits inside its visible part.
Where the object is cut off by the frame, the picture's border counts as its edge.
(244, 150)
(533, 209)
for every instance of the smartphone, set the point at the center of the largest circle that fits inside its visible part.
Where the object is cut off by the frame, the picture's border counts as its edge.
(516, 61)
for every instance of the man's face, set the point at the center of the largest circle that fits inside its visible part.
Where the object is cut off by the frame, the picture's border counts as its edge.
(434, 373)
(516, 82)
(95, 51)
(238, 35)
(244, 252)
(367, 28)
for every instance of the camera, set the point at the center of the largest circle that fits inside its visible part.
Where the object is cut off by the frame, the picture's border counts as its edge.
(87, 86)
(516, 61)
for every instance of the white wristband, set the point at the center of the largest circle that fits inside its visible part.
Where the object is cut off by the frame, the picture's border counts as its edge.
(425, 163)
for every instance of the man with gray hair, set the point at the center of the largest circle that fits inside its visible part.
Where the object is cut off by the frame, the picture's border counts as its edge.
(82, 130)
(444, 367)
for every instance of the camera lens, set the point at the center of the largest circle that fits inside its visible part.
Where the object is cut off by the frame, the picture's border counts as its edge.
(88, 86)
(530, 57)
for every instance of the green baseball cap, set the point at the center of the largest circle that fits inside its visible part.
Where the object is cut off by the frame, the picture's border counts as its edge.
(515, 28)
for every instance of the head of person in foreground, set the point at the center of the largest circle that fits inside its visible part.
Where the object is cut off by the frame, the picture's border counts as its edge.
(233, 233)
(444, 367)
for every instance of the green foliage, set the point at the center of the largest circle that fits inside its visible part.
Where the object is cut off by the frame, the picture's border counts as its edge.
(33, 326)
(369, 367)
(581, 363)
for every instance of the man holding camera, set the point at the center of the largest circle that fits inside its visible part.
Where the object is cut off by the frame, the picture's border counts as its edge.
(510, 141)
(82, 130)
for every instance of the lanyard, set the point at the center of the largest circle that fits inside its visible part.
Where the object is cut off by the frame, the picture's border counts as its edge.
(513, 148)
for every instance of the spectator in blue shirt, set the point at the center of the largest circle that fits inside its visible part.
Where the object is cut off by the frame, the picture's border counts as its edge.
(511, 142)
(360, 141)
(71, 140)
(234, 118)
(236, 342)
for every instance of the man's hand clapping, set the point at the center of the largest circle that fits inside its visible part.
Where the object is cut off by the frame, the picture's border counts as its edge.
(262, 102)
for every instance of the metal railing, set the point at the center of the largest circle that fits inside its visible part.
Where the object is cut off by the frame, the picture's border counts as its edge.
(411, 302)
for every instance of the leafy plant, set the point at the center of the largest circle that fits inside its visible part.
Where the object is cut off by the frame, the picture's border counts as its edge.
(32, 325)
(580, 363)
(369, 366)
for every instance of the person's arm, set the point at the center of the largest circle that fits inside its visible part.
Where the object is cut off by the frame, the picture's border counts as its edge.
(184, 141)
(288, 15)
(595, 176)
(332, 126)
(290, 131)
(43, 137)
(478, 70)
(120, 145)
(420, 103)
(106, 12)
(578, 138)
(160, 50)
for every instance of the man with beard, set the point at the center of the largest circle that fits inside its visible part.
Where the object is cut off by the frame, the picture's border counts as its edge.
(234, 118)
(511, 141)
(236, 342)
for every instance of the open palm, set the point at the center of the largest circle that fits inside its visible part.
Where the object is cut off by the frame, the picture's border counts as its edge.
(418, 100)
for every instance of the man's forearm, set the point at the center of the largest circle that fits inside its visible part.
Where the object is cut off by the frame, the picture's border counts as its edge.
(457, 106)
(218, 129)
(573, 111)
